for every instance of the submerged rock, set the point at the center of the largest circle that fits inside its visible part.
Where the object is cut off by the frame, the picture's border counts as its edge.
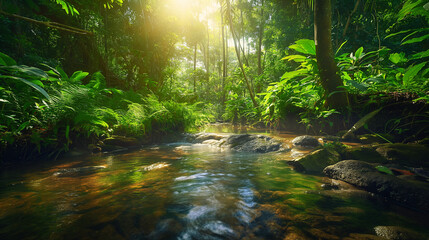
(396, 233)
(305, 141)
(79, 171)
(155, 166)
(316, 161)
(366, 176)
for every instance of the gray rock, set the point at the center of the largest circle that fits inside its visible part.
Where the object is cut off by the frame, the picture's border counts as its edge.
(306, 141)
(365, 176)
(316, 161)
(396, 233)
(251, 143)
(239, 142)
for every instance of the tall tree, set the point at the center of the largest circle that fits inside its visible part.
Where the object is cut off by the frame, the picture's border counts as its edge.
(336, 96)
(237, 51)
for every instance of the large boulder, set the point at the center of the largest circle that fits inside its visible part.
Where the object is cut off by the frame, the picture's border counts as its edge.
(364, 175)
(251, 143)
(239, 142)
(316, 161)
(305, 141)
(412, 155)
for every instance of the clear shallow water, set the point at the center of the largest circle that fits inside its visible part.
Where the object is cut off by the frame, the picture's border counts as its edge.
(185, 191)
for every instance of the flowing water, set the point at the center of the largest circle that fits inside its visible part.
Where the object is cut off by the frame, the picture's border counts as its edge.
(186, 191)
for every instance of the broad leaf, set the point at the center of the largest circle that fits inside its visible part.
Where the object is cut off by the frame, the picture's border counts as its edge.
(296, 58)
(78, 76)
(416, 40)
(412, 72)
(305, 46)
(397, 58)
(33, 85)
(358, 53)
(6, 60)
(420, 55)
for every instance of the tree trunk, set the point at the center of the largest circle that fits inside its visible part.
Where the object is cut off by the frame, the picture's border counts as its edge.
(223, 54)
(237, 51)
(261, 35)
(336, 97)
(195, 68)
(208, 52)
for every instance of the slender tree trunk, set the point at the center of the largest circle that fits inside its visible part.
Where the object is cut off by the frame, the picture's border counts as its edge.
(336, 97)
(208, 51)
(106, 55)
(261, 35)
(350, 17)
(237, 51)
(195, 68)
(223, 54)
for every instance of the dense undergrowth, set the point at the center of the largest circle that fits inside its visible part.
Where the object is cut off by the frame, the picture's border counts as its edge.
(48, 112)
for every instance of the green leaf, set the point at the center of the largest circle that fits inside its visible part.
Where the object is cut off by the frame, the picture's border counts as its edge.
(63, 75)
(35, 86)
(5, 60)
(296, 58)
(78, 76)
(420, 55)
(358, 53)
(341, 46)
(293, 74)
(412, 72)
(305, 46)
(407, 8)
(398, 33)
(361, 122)
(384, 169)
(397, 58)
(23, 126)
(32, 71)
(416, 40)
(359, 86)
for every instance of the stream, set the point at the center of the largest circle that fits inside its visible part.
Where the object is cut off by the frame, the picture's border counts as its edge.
(187, 191)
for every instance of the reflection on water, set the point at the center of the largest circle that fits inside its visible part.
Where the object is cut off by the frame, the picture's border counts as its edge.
(185, 191)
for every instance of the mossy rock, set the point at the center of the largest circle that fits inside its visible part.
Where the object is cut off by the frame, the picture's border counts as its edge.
(316, 161)
(366, 154)
(411, 155)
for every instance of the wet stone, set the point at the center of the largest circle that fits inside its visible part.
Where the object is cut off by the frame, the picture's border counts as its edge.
(305, 141)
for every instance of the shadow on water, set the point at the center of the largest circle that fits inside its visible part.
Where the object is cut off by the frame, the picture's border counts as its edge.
(186, 191)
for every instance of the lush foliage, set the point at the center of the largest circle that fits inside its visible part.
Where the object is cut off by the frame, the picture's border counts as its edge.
(162, 66)
(50, 108)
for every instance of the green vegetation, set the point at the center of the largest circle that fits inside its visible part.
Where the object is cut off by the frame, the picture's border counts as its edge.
(73, 72)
